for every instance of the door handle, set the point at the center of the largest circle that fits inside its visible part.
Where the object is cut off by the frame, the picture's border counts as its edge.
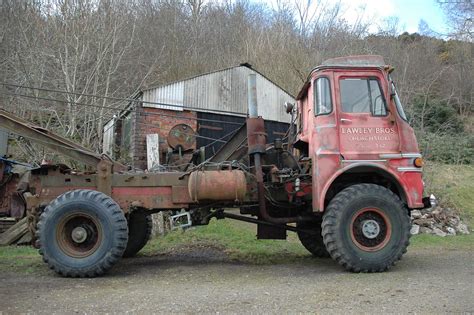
(345, 120)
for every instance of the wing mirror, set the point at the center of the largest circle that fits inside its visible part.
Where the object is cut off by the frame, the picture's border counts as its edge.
(289, 107)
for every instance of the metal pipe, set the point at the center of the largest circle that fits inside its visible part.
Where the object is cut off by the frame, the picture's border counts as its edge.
(256, 221)
(251, 130)
(252, 95)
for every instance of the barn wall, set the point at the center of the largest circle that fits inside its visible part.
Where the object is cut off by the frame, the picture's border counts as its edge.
(151, 121)
(217, 130)
(224, 90)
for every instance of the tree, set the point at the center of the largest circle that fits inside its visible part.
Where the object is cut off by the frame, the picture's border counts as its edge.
(460, 15)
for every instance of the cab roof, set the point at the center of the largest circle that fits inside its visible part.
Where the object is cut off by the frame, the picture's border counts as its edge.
(361, 61)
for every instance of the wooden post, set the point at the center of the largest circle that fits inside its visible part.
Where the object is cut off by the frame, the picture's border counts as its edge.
(152, 150)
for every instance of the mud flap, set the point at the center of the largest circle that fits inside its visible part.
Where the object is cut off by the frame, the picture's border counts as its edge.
(265, 232)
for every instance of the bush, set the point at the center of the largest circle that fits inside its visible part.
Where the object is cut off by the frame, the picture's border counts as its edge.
(448, 148)
(435, 116)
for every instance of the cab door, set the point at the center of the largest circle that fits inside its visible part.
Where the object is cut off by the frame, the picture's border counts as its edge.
(365, 126)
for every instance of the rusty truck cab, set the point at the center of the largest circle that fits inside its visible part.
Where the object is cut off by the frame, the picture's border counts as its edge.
(352, 126)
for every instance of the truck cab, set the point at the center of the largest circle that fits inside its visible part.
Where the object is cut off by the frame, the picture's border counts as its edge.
(351, 124)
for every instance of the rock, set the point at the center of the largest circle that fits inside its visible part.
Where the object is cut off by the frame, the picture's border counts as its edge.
(450, 231)
(436, 211)
(415, 229)
(425, 230)
(453, 221)
(426, 216)
(439, 232)
(462, 228)
(416, 214)
(424, 222)
(438, 225)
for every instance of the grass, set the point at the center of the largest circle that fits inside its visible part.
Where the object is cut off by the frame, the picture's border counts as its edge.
(236, 239)
(453, 185)
(20, 258)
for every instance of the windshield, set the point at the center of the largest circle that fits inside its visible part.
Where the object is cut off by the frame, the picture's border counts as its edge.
(398, 103)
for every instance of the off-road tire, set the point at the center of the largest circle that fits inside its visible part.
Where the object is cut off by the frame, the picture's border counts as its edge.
(139, 231)
(105, 238)
(346, 244)
(313, 242)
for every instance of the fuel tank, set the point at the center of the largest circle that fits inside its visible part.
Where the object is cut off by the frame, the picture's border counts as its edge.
(223, 185)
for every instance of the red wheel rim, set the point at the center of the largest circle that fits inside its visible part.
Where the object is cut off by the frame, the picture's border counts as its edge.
(370, 229)
(79, 235)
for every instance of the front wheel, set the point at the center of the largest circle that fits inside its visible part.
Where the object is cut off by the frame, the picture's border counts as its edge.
(366, 228)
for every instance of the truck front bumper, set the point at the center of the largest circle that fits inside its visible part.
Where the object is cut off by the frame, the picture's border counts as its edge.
(430, 202)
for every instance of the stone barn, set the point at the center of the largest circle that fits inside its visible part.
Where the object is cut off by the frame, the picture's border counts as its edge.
(209, 106)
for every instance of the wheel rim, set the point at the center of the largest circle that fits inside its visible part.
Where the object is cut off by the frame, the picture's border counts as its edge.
(370, 229)
(79, 235)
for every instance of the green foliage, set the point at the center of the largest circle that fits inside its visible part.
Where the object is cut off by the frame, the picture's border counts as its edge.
(447, 148)
(441, 132)
(435, 116)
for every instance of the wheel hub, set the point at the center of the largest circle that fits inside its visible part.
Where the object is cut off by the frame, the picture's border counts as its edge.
(370, 229)
(79, 234)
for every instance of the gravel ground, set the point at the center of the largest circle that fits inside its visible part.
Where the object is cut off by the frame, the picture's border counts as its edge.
(205, 281)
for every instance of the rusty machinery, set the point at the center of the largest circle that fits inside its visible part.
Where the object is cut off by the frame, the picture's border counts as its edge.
(346, 197)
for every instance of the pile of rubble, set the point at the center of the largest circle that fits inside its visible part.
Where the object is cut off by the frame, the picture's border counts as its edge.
(437, 221)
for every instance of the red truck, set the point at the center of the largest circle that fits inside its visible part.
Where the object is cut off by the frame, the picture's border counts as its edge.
(344, 179)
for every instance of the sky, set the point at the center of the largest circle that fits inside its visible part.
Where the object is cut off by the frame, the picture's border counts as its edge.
(409, 12)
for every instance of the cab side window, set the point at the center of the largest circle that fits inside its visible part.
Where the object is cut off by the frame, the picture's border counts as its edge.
(322, 96)
(362, 95)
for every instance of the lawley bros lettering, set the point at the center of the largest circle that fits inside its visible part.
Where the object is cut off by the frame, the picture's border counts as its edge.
(368, 133)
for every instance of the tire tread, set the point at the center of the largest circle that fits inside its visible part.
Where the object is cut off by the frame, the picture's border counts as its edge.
(332, 218)
(120, 234)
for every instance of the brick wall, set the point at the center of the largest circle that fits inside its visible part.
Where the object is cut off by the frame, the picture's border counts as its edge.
(153, 120)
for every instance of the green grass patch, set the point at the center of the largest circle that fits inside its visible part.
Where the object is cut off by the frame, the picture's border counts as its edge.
(453, 185)
(236, 239)
(20, 258)
(458, 242)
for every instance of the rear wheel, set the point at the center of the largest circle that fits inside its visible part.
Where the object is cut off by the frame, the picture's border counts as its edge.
(139, 232)
(366, 228)
(313, 242)
(82, 233)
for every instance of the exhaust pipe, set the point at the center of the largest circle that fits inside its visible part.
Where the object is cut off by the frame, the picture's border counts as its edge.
(257, 140)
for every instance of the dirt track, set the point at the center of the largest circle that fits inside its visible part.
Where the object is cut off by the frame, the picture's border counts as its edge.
(425, 281)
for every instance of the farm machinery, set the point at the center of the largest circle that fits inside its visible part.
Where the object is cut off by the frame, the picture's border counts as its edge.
(344, 180)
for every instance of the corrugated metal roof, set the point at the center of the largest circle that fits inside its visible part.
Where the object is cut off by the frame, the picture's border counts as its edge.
(223, 90)
(168, 95)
